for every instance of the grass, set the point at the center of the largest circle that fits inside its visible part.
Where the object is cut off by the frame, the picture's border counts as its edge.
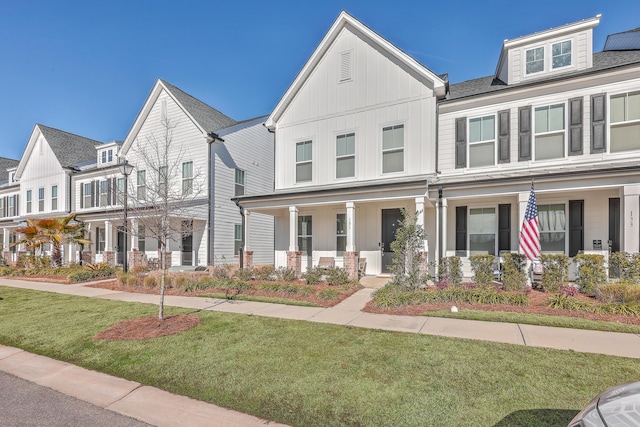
(536, 319)
(307, 373)
(259, 298)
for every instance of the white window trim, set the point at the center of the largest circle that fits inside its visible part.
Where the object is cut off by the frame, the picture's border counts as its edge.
(28, 203)
(86, 195)
(564, 67)
(548, 58)
(566, 215)
(335, 152)
(524, 60)
(496, 225)
(382, 151)
(495, 140)
(341, 235)
(610, 124)
(296, 162)
(534, 134)
(41, 200)
(54, 208)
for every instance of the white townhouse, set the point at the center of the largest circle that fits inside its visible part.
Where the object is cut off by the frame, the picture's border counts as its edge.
(355, 137)
(39, 185)
(211, 159)
(559, 115)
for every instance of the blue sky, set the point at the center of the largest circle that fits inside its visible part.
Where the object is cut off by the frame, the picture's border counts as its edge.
(87, 67)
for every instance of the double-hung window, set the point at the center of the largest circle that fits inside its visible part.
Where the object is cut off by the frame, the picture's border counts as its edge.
(187, 178)
(2, 211)
(534, 60)
(346, 156)
(104, 191)
(100, 239)
(29, 201)
(237, 238)
(561, 54)
(239, 180)
(12, 205)
(163, 182)
(87, 195)
(304, 161)
(393, 149)
(625, 122)
(142, 242)
(142, 185)
(305, 234)
(54, 197)
(482, 141)
(41, 199)
(341, 234)
(104, 157)
(553, 226)
(482, 231)
(549, 132)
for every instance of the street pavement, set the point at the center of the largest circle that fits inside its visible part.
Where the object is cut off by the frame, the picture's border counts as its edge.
(160, 408)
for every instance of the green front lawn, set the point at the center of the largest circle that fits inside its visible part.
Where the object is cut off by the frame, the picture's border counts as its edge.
(306, 373)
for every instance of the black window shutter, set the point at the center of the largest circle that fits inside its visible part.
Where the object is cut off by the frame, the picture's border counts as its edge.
(109, 192)
(524, 133)
(114, 191)
(504, 228)
(97, 239)
(504, 141)
(81, 195)
(5, 207)
(576, 227)
(461, 142)
(461, 230)
(575, 126)
(598, 123)
(94, 193)
(17, 205)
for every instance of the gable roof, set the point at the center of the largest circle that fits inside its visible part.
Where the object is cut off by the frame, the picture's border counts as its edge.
(5, 164)
(70, 149)
(346, 20)
(205, 117)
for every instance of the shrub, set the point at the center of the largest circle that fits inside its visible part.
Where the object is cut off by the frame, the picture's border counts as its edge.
(149, 282)
(285, 274)
(555, 272)
(312, 276)
(265, 272)
(618, 293)
(514, 276)
(122, 277)
(568, 290)
(336, 276)
(179, 281)
(201, 268)
(570, 303)
(450, 270)
(139, 269)
(244, 274)
(8, 271)
(219, 271)
(482, 266)
(591, 272)
(287, 288)
(625, 266)
(132, 280)
(328, 294)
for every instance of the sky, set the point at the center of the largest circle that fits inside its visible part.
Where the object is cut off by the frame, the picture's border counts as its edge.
(87, 67)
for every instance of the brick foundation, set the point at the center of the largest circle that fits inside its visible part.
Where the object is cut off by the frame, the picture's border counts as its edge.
(135, 258)
(109, 257)
(350, 260)
(247, 259)
(87, 257)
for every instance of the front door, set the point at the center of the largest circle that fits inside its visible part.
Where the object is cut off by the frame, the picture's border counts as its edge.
(120, 253)
(390, 222)
(187, 243)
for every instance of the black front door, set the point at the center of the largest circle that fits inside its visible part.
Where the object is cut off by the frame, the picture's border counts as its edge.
(614, 223)
(390, 222)
(576, 227)
(187, 243)
(120, 253)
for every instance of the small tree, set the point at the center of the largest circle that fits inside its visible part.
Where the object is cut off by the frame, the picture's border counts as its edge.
(166, 195)
(53, 231)
(409, 263)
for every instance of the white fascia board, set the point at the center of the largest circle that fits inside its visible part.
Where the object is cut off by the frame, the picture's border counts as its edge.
(343, 20)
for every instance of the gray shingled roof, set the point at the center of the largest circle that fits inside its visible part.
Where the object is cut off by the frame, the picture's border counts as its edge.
(5, 164)
(207, 117)
(69, 149)
(483, 85)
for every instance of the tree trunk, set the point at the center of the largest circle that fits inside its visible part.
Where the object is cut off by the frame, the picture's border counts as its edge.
(163, 261)
(56, 255)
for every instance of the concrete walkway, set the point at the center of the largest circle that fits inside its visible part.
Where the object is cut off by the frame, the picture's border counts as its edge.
(164, 409)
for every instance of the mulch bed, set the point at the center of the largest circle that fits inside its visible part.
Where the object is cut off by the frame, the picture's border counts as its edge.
(537, 305)
(148, 327)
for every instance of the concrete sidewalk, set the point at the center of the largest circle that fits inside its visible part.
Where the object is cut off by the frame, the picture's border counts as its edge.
(161, 408)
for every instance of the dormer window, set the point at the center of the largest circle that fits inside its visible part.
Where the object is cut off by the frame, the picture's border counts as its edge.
(107, 156)
(535, 60)
(561, 54)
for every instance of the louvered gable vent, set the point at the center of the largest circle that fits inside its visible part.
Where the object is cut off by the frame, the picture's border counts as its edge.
(345, 66)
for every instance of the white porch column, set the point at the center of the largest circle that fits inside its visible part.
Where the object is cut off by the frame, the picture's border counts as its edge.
(293, 228)
(523, 200)
(108, 236)
(5, 238)
(420, 218)
(247, 216)
(133, 233)
(630, 234)
(441, 226)
(351, 227)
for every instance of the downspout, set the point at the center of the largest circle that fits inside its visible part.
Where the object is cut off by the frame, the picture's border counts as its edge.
(241, 256)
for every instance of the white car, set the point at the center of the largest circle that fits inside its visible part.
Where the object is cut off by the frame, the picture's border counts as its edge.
(617, 406)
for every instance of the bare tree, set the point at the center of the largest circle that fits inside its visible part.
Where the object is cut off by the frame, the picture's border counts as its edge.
(162, 191)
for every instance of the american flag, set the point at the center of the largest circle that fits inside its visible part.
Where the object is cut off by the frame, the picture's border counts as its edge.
(530, 233)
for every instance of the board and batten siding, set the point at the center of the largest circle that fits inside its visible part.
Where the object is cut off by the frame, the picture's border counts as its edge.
(251, 150)
(550, 96)
(379, 93)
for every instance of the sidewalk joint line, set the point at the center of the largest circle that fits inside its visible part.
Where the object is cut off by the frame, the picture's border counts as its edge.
(140, 385)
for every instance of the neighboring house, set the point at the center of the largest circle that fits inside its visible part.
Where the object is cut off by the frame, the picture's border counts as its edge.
(39, 185)
(210, 158)
(555, 114)
(355, 138)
